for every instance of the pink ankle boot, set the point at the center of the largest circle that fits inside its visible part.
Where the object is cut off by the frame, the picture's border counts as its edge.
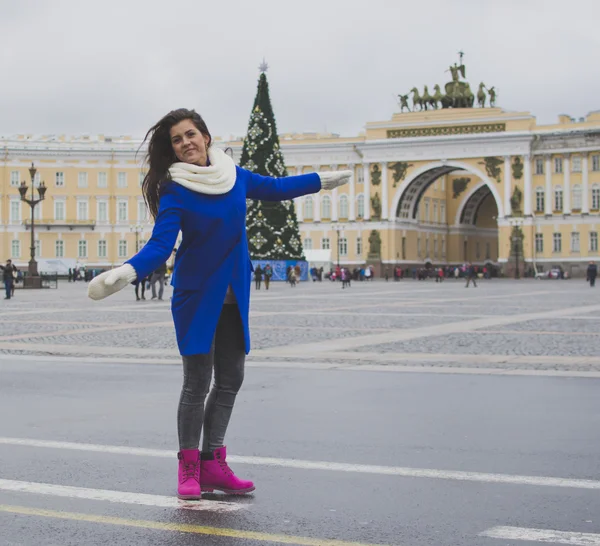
(188, 485)
(216, 474)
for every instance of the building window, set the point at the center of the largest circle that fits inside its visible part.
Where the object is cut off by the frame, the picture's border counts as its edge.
(361, 176)
(307, 244)
(59, 210)
(427, 246)
(344, 206)
(596, 197)
(102, 212)
(82, 249)
(326, 207)
(59, 249)
(142, 212)
(477, 251)
(122, 248)
(435, 248)
(59, 179)
(575, 241)
(576, 197)
(359, 246)
(596, 163)
(593, 241)
(37, 179)
(418, 246)
(38, 248)
(539, 243)
(488, 253)
(308, 207)
(556, 242)
(539, 199)
(14, 178)
(82, 210)
(122, 211)
(121, 180)
(576, 164)
(15, 211)
(102, 249)
(141, 177)
(15, 248)
(426, 218)
(325, 243)
(343, 248)
(558, 199)
(435, 212)
(558, 165)
(443, 212)
(360, 205)
(539, 165)
(82, 180)
(102, 180)
(443, 247)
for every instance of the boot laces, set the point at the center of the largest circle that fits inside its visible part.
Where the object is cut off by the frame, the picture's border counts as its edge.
(225, 467)
(190, 470)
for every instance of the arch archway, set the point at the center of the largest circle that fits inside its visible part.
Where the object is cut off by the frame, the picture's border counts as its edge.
(406, 199)
(467, 213)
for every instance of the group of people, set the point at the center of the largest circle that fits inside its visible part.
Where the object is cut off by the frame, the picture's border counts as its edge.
(157, 276)
(261, 274)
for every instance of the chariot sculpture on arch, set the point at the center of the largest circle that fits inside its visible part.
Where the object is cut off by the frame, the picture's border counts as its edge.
(458, 93)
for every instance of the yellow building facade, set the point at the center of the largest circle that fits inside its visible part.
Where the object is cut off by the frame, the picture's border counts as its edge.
(440, 187)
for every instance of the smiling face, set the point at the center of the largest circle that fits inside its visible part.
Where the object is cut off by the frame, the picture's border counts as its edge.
(189, 144)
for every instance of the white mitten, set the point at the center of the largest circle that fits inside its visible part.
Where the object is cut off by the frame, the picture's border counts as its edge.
(112, 281)
(333, 179)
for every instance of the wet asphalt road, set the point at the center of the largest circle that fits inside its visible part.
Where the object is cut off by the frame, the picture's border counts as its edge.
(529, 426)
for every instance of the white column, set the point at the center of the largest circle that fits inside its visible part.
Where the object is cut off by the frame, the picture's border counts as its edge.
(585, 204)
(507, 208)
(527, 201)
(548, 206)
(334, 200)
(367, 178)
(384, 191)
(351, 196)
(317, 201)
(567, 188)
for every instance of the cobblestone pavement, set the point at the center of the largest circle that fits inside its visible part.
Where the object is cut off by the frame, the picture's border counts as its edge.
(500, 326)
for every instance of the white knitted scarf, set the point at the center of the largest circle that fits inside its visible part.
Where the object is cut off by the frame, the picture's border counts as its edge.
(217, 178)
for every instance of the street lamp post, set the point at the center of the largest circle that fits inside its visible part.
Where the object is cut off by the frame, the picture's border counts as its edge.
(33, 269)
(338, 228)
(137, 228)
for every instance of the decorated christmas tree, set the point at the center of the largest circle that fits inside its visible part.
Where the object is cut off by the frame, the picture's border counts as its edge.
(272, 227)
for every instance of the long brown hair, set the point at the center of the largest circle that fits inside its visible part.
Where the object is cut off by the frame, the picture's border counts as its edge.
(160, 154)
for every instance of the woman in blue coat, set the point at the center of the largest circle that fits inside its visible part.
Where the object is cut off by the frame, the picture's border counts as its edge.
(197, 189)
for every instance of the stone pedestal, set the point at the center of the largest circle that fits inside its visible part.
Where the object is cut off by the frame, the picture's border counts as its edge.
(375, 262)
(32, 282)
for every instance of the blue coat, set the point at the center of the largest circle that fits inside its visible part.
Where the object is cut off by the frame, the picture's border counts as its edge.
(214, 251)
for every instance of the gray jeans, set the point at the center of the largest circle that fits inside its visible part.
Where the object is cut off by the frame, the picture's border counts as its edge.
(160, 278)
(227, 357)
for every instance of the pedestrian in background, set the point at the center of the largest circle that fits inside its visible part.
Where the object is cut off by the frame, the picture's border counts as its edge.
(471, 275)
(258, 274)
(9, 274)
(192, 187)
(268, 274)
(158, 277)
(592, 273)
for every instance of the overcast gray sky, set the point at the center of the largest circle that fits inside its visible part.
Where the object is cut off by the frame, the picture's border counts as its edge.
(115, 67)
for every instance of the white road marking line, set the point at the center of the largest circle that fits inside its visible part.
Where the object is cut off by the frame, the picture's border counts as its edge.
(324, 465)
(122, 497)
(543, 535)
(331, 366)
